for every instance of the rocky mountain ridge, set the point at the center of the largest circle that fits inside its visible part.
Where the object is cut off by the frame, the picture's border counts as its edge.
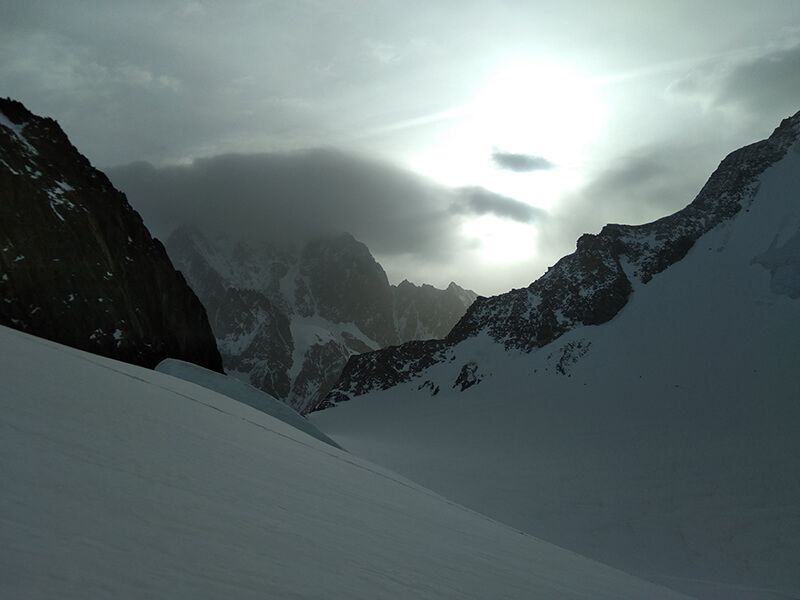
(587, 287)
(659, 436)
(77, 264)
(287, 319)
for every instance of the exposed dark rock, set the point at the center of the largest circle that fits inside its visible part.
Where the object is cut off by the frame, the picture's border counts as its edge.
(428, 384)
(349, 286)
(425, 312)
(468, 376)
(256, 317)
(321, 366)
(571, 353)
(386, 368)
(77, 265)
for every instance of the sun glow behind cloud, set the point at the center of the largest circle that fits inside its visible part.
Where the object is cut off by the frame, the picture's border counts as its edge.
(500, 241)
(528, 108)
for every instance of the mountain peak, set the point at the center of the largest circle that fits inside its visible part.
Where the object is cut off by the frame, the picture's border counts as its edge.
(287, 319)
(77, 264)
(15, 111)
(591, 285)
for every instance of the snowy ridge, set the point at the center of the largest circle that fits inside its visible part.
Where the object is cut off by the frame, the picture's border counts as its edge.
(590, 286)
(662, 441)
(127, 483)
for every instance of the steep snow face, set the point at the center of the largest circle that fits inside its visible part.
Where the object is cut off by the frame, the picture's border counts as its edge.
(77, 265)
(127, 483)
(288, 319)
(663, 441)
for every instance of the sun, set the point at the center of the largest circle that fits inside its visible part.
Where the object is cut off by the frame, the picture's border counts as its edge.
(528, 107)
(500, 241)
(539, 108)
(524, 106)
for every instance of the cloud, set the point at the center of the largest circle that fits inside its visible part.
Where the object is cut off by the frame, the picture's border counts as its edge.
(294, 196)
(639, 178)
(634, 188)
(286, 197)
(520, 163)
(412, 225)
(480, 201)
(165, 82)
(766, 84)
(770, 82)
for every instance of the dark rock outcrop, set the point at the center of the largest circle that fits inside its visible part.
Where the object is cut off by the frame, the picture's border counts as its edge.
(589, 286)
(349, 286)
(77, 265)
(425, 312)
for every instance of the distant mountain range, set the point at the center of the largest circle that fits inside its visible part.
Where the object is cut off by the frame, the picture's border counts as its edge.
(287, 319)
(639, 403)
(77, 265)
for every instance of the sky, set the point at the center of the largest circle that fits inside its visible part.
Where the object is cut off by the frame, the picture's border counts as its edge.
(469, 141)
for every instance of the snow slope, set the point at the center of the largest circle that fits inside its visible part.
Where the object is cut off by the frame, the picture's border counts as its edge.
(119, 482)
(664, 441)
(242, 392)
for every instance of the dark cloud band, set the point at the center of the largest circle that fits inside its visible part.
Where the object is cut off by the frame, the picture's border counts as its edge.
(766, 84)
(520, 163)
(285, 197)
(480, 201)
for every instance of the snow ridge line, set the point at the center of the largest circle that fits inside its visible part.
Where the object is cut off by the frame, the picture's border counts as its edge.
(589, 286)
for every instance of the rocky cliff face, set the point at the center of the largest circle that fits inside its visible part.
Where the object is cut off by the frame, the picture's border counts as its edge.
(77, 265)
(587, 287)
(287, 319)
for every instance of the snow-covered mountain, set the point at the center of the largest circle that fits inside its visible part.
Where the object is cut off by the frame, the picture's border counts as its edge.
(77, 265)
(639, 403)
(121, 482)
(287, 319)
